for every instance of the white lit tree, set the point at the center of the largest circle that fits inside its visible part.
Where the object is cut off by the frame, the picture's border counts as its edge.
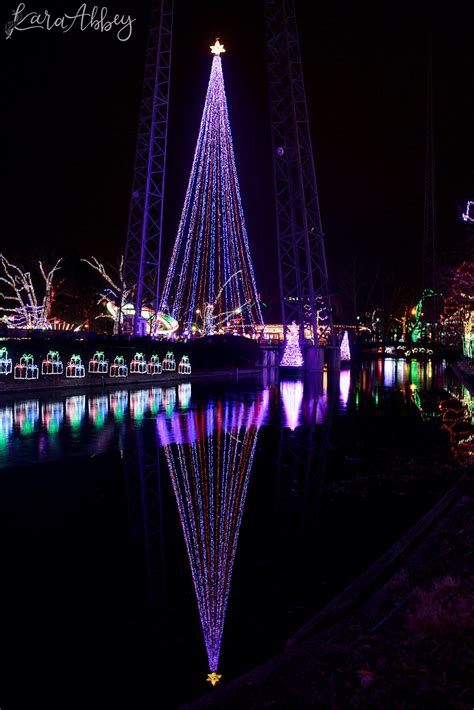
(345, 348)
(118, 290)
(458, 317)
(25, 305)
(292, 355)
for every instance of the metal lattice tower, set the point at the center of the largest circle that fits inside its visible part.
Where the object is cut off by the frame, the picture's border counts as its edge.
(143, 248)
(304, 286)
(430, 247)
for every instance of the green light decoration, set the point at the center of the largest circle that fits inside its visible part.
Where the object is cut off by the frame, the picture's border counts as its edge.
(184, 367)
(5, 362)
(415, 395)
(415, 373)
(418, 328)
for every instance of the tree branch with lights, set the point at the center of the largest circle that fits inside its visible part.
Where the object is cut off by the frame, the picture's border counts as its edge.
(458, 320)
(118, 290)
(22, 305)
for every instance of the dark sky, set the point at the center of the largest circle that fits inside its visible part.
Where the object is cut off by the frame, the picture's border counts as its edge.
(72, 102)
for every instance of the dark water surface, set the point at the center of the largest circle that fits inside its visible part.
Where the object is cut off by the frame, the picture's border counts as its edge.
(150, 537)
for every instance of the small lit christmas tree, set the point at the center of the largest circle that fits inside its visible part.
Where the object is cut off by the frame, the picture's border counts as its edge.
(345, 348)
(292, 355)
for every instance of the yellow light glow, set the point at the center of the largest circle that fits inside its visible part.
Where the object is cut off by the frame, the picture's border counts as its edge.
(217, 48)
(213, 678)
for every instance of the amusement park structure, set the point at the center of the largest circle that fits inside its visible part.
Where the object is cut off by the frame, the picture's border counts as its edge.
(304, 288)
(142, 260)
(430, 246)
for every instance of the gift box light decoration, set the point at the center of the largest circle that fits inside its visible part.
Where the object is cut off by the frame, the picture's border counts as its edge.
(5, 362)
(26, 368)
(184, 367)
(75, 368)
(169, 363)
(154, 365)
(98, 364)
(52, 364)
(118, 368)
(138, 366)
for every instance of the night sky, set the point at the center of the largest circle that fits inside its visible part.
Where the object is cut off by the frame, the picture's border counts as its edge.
(72, 103)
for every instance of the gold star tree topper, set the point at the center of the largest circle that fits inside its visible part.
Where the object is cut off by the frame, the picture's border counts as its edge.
(213, 678)
(217, 48)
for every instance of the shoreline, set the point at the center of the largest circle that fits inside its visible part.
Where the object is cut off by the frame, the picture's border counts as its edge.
(360, 659)
(58, 383)
(372, 603)
(464, 372)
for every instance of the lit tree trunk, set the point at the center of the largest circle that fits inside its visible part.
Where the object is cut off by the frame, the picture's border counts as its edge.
(119, 290)
(22, 302)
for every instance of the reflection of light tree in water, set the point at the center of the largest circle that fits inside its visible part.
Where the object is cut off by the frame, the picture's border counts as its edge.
(210, 460)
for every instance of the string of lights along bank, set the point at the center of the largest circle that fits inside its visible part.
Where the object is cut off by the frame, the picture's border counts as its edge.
(210, 285)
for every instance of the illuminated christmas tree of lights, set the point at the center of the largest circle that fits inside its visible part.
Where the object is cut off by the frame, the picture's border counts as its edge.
(345, 348)
(210, 286)
(292, 355)
(210, 457)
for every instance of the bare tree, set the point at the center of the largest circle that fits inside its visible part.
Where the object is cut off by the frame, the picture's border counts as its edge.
(118, 290)
(458, 322)
(22, 305)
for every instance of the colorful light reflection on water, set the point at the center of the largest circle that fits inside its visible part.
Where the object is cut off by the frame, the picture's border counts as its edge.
(73, 419)
(207, 447)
